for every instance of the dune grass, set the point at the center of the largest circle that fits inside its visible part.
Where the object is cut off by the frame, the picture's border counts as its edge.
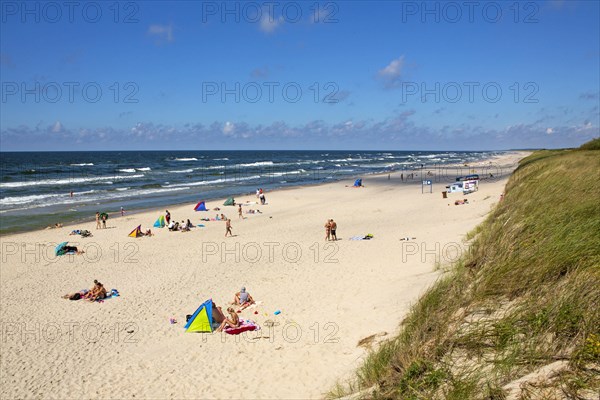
(526, 295)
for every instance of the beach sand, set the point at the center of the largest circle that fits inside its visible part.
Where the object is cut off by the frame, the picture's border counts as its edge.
(330, 294)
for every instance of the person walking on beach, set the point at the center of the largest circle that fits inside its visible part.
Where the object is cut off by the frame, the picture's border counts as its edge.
(104, 221)
(122, 211)
(240, 212)
(333, 227)
(327, 229)
(97, 219)
(228, 228)
(168, 216)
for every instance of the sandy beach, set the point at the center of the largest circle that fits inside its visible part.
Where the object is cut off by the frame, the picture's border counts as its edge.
(330, 294)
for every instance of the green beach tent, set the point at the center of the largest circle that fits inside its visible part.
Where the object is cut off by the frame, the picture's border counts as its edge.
(160, 222)
(229, 202)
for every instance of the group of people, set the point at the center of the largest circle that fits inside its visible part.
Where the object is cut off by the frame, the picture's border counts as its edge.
(330, 230)
(185, 226)
(97, 292)
(241, 298)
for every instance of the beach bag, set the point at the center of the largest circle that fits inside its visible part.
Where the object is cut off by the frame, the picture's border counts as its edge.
(75, 296)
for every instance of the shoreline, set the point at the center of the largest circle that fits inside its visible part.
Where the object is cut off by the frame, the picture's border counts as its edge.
(113, 215)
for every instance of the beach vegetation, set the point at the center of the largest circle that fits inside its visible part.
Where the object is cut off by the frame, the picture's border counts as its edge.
(523, 301)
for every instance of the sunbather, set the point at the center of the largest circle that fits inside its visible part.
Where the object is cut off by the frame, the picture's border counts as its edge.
(233, 321)
(98, 292)
(243, 299)
(217, 314)
(73, 249)
(76, 295)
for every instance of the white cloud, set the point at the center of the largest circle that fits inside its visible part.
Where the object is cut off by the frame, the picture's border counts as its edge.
(57, 127)
(269, 23)
(549, 131)
(162, 32)
(392, 72)
(228, 128)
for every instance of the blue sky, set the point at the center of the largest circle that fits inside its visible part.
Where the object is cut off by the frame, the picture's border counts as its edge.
(299, 75)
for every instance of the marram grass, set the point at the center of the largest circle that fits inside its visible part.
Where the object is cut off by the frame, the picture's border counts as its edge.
(526, 295)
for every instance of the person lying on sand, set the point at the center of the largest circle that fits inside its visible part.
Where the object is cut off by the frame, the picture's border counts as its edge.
(73, 249)
(76, 295)
(243, 299)
(233, 321)
(148, 232)
(57, 225)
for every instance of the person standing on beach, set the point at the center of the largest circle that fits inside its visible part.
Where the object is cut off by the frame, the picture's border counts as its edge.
(327, 230)
(104, 221)
(333, 227)
(97, 219)
(122, 211)
(168, 216)
(228, 228)
(240, 212)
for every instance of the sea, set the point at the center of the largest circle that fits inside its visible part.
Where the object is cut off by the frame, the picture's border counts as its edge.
(38, 189)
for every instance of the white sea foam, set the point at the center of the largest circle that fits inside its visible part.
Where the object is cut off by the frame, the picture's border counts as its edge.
(213, 182)
(68, 181)
(255, 164)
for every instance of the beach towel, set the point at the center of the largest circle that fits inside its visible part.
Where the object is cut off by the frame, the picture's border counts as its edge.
(245, 325)
(368, 236)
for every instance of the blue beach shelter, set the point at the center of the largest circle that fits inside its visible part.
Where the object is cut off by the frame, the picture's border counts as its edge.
(200, 207)
(60, 249)
(201, 320)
